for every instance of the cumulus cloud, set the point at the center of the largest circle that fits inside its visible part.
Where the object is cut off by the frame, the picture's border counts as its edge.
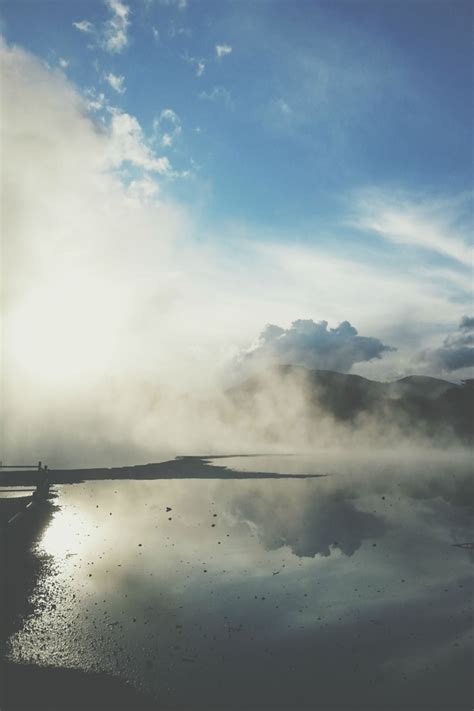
(222, 50)
(128, 144)
(314, 345)
(116, 82)
(457, 351)
(144, 189)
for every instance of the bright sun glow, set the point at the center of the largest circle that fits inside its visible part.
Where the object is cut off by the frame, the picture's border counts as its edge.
(66, 534)
(63, 332)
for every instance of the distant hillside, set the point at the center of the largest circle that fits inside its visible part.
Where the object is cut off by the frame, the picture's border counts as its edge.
(437, 407)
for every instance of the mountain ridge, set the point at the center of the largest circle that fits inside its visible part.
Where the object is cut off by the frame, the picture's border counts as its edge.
(416, 401)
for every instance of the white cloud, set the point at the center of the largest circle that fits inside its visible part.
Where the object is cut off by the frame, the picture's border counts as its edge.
(128, 144)
(156, 33)
(198, 64)
(115, 31)
(113, 36)
(401, 220)
(168, 122)
(223, 49)
(116, 82)
(87, 246)
(63, 63)
(218, 94)
(94, 101)
(84, 26)
(144, 189)
(169, 115)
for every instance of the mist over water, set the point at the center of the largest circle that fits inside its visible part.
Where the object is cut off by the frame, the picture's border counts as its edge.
(116, 349)
(242, 232)
(251, 593)
(278, 410)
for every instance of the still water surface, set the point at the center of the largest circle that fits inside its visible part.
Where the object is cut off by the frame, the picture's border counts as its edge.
(344, 590)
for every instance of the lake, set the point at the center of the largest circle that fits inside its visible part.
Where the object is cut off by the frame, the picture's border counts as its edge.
(350, 590)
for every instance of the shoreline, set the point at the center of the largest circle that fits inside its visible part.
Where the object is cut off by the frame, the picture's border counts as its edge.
(26, 686)
(192, 467)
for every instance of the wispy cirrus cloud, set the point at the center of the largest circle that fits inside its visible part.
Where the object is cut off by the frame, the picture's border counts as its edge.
(84, 26)
(178, 31)
(198, 64)
(421, 224)
(218, 94)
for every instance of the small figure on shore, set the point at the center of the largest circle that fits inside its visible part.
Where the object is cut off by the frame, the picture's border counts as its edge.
(42, 487)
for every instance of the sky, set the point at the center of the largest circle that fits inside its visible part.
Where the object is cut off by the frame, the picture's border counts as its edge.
(179, 176)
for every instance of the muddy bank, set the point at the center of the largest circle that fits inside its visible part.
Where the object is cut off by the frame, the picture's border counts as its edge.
(20, 563)
(29, 687)
(10, 507)
(179, 468)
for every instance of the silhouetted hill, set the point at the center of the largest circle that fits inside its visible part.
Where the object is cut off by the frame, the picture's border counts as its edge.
(420, 385)
(431, 405)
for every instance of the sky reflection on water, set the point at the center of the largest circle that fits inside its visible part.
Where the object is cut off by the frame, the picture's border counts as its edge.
(342, 590)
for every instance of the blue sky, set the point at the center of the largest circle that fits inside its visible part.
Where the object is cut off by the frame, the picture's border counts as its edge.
(315, 99)
(317, 155)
